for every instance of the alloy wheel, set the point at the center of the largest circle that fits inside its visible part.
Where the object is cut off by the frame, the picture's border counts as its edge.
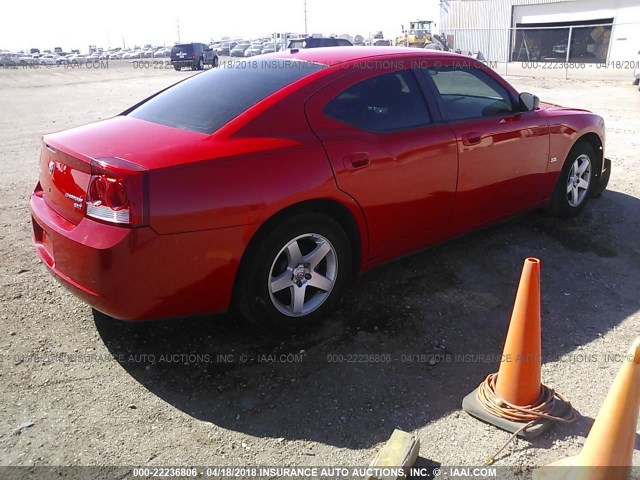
(578, 180)
(303, 275)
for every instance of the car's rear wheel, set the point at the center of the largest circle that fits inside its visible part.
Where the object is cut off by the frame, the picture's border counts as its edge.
(177, 67)
(200, 65)
(295, 273)
(576, 181)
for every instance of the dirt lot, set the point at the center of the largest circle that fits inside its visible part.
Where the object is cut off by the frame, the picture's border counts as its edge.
(102, 392)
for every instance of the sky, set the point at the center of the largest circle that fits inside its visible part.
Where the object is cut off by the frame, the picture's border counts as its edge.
(78, 24)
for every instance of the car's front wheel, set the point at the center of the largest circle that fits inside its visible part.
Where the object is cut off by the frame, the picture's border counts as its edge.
(177, 67)
(576, 181)
(295, 273)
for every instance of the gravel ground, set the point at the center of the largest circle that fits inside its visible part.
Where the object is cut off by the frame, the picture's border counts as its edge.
(213, 391)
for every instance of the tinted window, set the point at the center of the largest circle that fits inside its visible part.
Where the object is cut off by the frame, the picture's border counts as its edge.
(392, 101)
(207, 101)
(187, 49)
(470, 93)
(296, 44)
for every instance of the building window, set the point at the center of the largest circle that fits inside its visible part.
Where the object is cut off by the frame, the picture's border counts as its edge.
(549, 42)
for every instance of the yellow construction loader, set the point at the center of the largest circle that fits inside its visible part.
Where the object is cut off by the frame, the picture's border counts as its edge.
(417, 35)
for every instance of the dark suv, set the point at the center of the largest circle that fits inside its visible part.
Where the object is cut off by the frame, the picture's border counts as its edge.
(316, 42)
(194, 55)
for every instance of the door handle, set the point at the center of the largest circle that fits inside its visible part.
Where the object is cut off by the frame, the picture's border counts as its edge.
(356, 160)
(471, 138)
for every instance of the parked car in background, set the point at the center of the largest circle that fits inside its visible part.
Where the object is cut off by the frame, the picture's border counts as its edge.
(239, 49)
(12, 59)
(193, 55)
(395, 159)
(268, 48)
(225, 48)
(33, 59)
(254, 49)
(75, 59)
(7, 59)
(162, 53)
(53, 59)
(317, 42)
(46, 60)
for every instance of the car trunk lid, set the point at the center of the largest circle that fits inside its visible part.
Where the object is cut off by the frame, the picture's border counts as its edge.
(64, 180)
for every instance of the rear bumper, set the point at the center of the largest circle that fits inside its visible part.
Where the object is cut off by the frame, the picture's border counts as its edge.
(184, 63)
(137, 274)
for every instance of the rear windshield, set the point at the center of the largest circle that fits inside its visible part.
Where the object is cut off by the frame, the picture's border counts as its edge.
(188, 49)
(207, 101)
(319, 42)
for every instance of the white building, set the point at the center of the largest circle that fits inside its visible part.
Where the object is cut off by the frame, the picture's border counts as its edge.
(589, 31)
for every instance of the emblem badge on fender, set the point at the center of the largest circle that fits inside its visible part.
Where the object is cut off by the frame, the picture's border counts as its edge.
(51, 166)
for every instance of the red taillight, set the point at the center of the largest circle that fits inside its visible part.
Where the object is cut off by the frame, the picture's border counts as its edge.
(117, 192)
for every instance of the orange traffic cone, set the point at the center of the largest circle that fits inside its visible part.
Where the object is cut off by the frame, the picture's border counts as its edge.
(518, 379)
(514, 399)
(608, 451)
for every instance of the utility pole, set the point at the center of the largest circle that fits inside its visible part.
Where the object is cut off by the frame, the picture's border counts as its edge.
(178, 27)
(305, 17)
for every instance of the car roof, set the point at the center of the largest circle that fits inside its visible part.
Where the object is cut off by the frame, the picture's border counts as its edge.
(333, 55)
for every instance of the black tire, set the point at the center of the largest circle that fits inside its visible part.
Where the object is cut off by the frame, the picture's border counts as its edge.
(214, 61)
(200, 64)
(603, 181)
(636, 81)
(267, 259)
(177, 67)
(562, 202)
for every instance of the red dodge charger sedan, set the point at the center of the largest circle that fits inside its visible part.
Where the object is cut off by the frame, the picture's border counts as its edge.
(267, 185)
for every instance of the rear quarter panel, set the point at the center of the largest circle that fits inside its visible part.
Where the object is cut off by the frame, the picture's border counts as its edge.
(239, 190)
(260, 163)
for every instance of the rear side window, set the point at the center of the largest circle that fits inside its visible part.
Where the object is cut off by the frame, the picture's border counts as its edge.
(207, 101)
(388, 102)
(296, 44)
(470, 93)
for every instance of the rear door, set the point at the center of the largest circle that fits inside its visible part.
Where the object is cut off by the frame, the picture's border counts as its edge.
(390, 153)
(503, 152)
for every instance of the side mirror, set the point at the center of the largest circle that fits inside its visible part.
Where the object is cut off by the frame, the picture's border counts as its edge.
(528, 102)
